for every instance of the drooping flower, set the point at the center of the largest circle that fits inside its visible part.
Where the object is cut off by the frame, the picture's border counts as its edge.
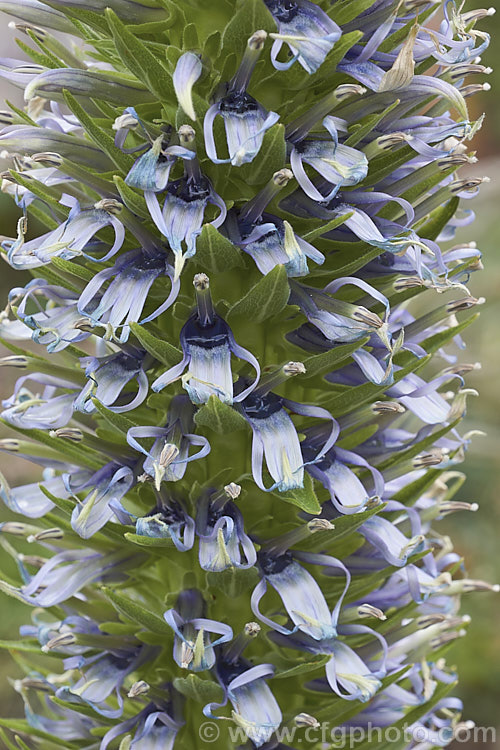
(300, 594)
(48, 314)
(306, 29)
(168, 457)
(30, 500)
(348, 494)
(275, 436)
(35, 410)
(193, 647)
(168, 521)
(102, 676)
(69, 240)
(108, 376)
(123, 301)
(207, 343)
(186, 200)
(103, 503)
(155, 725)
(269, 240)
(338, 164)
(255, 709)
(245, 120)
(65, 574)
(220, 529)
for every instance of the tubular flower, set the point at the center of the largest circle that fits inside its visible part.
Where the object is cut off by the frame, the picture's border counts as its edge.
(167, 459)
(306, 29)
(285, 442)
(207, 343)
(193, 648)
(181, 218)
(245, 120)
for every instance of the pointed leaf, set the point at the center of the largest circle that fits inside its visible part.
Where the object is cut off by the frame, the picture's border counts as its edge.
(141, 61)
(303, 497)
(200, 690)
(267, 298)
(214, 252)
(219, 417)
(159, 348)
(136, 612)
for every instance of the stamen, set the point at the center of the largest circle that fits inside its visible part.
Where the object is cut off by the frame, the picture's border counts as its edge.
(255, 207)
(368, 610)
(110, 205)
(138, 688)
(255, 45)
(272, 380)
(46, 534)
(59, 641)
(14, 360)
(279, 545)
(206, 312)
(242, 640)
(73, 434)
(306, 720)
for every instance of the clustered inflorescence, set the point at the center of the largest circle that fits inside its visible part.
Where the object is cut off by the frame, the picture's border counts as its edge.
(237, 326)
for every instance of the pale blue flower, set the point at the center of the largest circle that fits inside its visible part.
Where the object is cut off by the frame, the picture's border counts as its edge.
(193, 647)
(306, 29)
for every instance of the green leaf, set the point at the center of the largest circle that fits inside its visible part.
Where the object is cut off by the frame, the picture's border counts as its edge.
(101, 137)
(131, 198)
(214, 252)
(21, 725)
(190, 38)
(8, 743)
(344, 527)
(47, 60)
(345, 11)
(250, 15)
(158, 348)
(22, 745)
(410, 493)
(353, 439)
(199, 690)
(327, 361)
(49, 195)
(438, 219)
(136, 56)
(303, 497)
(23, 645)
(82, 708)
(149, 541)
(77, 452)
(264, 300)
(219, 417)
(328, 227)
(315, 662)
(233, 581)
(119, 422)
(74, 269)
(136, 612)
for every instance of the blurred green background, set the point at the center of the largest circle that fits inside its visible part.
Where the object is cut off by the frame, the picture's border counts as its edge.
(475, 536)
